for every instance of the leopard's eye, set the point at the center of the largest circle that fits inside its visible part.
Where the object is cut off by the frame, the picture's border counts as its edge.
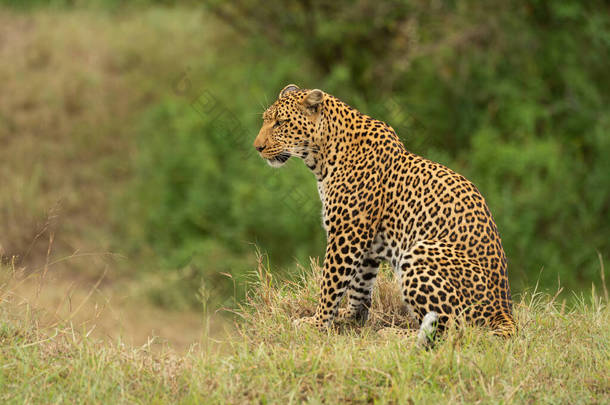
(279, 123)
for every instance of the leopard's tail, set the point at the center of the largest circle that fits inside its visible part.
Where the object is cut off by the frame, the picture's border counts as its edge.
(428, 329)
(503, 324)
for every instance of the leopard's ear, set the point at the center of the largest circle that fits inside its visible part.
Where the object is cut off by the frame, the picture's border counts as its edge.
(314, 97)
(288, 89)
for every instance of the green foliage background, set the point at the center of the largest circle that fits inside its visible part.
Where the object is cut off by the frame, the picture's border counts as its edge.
(512, 94)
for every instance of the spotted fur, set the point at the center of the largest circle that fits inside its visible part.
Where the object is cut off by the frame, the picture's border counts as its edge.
(384, 203)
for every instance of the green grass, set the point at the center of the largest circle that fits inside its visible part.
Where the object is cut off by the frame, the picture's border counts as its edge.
(559, 356)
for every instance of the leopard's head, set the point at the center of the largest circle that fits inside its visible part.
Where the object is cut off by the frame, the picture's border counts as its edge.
(290, 125)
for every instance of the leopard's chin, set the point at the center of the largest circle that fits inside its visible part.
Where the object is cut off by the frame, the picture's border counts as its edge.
(278, 160)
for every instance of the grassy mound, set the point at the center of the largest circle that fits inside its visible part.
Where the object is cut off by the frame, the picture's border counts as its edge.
(560, 355)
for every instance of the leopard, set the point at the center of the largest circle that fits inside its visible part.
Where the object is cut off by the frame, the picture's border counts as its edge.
(382, 203)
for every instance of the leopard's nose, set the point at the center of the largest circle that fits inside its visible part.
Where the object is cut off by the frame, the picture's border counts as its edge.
(259, 148)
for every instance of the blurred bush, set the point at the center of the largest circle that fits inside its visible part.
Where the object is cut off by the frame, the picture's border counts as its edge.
(513, 95)
(203, 199)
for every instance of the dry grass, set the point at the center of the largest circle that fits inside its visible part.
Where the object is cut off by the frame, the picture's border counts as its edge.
(73, 93)
(561, 355)
(102, 309)
(63, 100)
(73, 89)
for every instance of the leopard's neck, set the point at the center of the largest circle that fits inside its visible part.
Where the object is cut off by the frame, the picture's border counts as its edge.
(346, 139)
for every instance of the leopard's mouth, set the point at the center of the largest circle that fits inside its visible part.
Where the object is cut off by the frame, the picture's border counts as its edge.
(278, 160)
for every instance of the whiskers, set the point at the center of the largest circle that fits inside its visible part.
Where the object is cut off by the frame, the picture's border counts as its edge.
(300, 149)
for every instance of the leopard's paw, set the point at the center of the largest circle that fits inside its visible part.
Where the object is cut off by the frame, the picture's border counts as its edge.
(390, 332)
(308, 321)
(344, 315)
(353, 316)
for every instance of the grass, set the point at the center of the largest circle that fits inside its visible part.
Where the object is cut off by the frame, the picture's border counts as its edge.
(561, 355)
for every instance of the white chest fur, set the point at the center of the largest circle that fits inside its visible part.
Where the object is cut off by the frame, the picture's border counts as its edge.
(323, 200)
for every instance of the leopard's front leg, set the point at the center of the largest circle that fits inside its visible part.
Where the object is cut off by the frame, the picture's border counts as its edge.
(359, 293)
(344, 255)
